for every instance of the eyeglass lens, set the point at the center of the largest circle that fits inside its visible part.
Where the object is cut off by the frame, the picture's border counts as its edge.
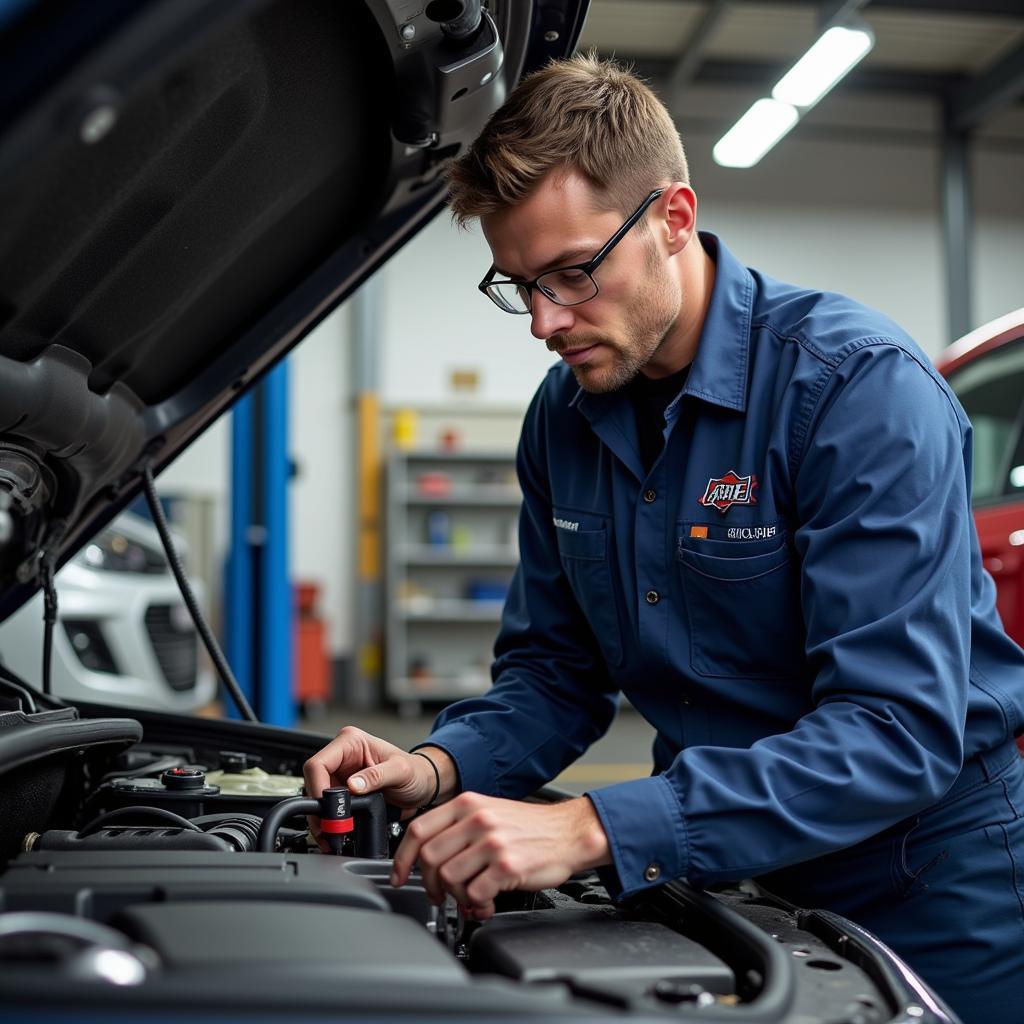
(565, 287)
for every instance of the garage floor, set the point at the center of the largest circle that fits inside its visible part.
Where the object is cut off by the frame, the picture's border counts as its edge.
(624, 753)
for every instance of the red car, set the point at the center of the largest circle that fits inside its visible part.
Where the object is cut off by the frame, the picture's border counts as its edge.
(986, 370)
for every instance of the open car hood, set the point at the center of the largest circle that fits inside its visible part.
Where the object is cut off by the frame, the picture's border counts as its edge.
(187, 187)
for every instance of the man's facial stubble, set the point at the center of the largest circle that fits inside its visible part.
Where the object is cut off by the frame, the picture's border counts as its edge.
(649, 315)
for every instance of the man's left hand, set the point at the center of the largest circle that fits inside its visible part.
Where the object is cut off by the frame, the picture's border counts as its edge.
(477, 846)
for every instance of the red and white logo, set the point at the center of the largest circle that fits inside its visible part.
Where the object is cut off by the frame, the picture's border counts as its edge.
(725, 491)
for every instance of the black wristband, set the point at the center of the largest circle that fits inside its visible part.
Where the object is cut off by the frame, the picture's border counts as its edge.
(437, 779)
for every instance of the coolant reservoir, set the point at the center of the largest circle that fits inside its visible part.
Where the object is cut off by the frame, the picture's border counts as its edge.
(254, 782)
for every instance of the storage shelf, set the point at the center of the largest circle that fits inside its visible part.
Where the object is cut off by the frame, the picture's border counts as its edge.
(482, 498)
(429, 555)
(454, 610)
(459, 456)
(439, 640)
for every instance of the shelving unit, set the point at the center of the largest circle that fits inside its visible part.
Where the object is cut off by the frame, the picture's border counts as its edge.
(452, 548)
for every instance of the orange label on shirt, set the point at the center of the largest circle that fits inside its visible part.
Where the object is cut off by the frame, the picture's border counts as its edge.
(699, 531)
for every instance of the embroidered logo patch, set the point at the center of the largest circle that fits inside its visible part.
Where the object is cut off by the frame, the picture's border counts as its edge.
(725, 491)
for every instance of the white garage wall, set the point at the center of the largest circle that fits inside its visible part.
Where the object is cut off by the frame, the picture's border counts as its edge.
(321, 443)
(437, 321)
(999, 239)
(321, 493)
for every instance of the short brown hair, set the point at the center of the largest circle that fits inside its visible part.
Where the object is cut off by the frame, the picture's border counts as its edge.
(581, 113)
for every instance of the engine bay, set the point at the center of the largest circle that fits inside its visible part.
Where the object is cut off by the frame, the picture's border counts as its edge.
(166, 861)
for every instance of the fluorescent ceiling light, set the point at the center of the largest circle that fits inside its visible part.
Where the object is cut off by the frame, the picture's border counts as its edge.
(831, 57)
(754, 133)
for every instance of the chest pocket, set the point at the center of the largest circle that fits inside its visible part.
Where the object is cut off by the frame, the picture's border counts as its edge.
(743, 605)
(584, 556)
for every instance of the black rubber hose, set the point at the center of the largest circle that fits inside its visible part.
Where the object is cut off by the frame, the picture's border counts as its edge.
(136, 812)
(241, 830)
(209, 640)
(11, 682)
(279, 814)
(49, 617)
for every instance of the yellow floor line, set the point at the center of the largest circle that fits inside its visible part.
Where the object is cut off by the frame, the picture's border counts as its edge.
(604, 772)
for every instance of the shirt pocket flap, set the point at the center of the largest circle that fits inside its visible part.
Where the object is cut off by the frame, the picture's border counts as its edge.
(747, 567)
(592, 544)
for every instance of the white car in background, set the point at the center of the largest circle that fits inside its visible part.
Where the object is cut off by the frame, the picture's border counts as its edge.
(123, 634)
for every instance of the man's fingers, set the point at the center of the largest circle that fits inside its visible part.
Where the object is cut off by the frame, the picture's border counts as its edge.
(460, 870)
(479, 913)
(344, 754)
(316, 776)
(395, 771)
(422, 830)
(480, 893)
(437, 854)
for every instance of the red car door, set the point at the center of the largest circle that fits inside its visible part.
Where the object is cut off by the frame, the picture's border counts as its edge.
(988, 378)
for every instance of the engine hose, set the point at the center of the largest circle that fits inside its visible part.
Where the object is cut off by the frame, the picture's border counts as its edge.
(138, 811)
(241, 831)
(279, 814)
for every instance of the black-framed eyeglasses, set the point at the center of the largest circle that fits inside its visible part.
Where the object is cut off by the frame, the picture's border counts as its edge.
(566, 286)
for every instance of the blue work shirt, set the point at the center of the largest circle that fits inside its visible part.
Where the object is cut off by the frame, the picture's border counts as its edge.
(793, 596)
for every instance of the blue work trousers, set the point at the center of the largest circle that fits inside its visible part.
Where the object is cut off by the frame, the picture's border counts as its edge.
(944, 889)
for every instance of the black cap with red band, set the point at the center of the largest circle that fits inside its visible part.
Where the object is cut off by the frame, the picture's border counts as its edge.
(336, 819)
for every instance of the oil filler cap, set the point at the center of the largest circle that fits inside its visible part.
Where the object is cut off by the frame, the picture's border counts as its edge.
(184, 778)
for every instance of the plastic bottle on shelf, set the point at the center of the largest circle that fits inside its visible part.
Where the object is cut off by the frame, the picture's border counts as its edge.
(439, 528)
(404, 428)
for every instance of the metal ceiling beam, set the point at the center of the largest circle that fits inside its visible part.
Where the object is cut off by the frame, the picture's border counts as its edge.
(764, 74)
(836, 12)
(689, 61)
(688, 64)
(993, 8)
(976, 99)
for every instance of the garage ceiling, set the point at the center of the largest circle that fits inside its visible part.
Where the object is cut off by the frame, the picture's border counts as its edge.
(968, 56)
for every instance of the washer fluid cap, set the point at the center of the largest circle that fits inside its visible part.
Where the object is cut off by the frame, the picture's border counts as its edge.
(184, 778)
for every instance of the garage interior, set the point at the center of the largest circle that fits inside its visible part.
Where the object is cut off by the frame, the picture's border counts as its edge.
(232, 299)
(391, 429)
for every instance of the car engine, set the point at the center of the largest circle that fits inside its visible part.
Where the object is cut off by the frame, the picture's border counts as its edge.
(163, 860)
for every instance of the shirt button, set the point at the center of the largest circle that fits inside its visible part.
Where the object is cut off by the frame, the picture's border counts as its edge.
(650, 495)
(652, 597)
(686, 700)
(652, 873)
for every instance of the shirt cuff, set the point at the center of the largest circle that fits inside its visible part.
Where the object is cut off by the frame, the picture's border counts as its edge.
(470, 752)
(644, 824)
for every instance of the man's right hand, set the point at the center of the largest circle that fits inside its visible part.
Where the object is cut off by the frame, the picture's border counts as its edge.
(367, 764)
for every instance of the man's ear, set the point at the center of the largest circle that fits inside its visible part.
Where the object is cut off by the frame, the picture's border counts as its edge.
(679, 219)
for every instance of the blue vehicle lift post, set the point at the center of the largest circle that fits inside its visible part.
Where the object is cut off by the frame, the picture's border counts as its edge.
(259, 608)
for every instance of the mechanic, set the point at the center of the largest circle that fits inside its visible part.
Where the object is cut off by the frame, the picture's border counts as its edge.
(747, 507)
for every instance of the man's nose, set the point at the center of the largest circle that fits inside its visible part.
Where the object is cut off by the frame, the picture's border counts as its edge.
(549, 317)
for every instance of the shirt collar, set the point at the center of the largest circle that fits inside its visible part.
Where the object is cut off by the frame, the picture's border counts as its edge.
(719, 370)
